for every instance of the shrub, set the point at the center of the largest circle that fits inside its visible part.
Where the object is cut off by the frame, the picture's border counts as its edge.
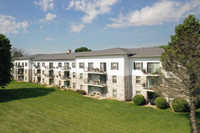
(161, 103)
(82, 92)
(180, 105)
(139, 100)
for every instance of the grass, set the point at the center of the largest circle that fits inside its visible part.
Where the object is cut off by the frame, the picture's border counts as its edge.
(31, 108)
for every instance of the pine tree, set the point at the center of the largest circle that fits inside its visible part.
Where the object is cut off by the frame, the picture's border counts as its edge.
(180, 73)
(5, 60)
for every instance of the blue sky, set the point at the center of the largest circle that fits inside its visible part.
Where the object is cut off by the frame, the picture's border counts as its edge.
(53, 26)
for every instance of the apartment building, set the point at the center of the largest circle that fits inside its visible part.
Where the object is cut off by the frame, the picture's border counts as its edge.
(115, 73)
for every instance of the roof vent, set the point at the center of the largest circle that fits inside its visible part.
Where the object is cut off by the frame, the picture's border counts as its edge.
(68, 51)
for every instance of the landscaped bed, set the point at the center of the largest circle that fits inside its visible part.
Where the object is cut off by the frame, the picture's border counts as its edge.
(27, 107)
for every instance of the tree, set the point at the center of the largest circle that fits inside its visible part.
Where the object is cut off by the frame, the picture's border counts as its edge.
(5, 60)
(17, 52)
(180, 74)
(82, 49)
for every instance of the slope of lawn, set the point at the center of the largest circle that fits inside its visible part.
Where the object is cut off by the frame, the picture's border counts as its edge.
(31, 108)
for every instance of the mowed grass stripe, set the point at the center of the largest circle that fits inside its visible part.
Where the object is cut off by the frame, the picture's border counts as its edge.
(52, 110)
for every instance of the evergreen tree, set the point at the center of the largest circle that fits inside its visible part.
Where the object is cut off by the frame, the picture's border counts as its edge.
(180, 74)
(5, 60)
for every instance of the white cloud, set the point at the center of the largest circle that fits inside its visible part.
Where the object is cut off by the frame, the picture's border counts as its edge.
(91, 8)
(49, 17)
(77, 28)
(45, 4)
(158, 13)
(49, 39)
(9, 25)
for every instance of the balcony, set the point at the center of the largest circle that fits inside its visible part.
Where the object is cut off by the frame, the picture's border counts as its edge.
(65, 77)
(95, 70)
(37, 67)
(149, 85)
(20, 73)
(49, 67)
(95, 82)
(20, 67)
(65, 68)
(49, 76)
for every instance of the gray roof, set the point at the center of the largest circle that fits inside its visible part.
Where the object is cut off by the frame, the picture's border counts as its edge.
(136, 52)
(147, 52)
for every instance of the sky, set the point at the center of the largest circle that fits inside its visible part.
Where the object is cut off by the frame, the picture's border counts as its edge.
(53, 26)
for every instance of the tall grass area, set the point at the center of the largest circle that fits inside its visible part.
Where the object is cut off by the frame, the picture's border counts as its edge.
(31, 108)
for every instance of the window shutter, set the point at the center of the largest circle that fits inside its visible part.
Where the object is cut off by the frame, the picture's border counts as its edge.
(141, 65)
(134, 66)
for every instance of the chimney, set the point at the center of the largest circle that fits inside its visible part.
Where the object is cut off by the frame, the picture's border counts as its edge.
(68, 51)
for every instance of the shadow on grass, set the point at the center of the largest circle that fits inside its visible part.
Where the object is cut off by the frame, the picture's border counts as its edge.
(197, 118)
(7, 95)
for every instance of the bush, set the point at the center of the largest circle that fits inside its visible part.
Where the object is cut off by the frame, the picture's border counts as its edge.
(161, 103)
(180, 105)
(139, 100)
(82, 92)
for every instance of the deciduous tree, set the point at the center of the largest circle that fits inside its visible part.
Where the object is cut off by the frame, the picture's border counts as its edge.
(82, 49)
(180, 73)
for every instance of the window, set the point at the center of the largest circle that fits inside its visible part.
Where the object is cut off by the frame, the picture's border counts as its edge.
(74, 74)
(150, 82)
(81, 87)
(74, 85)
(114, 93)
(59, 73)
(23, 64)
(153, 67)
(103, 66)
(73, 64)
(25, 78)
(59, 64)
(90, 66)
(114, 66)
(16, 64)
(81, 75)
(50, 65)
(138, 65)
(43, 80)
(138, 92)
(26, 64)
(81, 65)
(66, 64)
(38, 64)
(43, 64)
(114, 79)
(138, 79)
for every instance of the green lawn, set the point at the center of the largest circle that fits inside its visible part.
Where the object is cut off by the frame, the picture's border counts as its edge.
(31, 108)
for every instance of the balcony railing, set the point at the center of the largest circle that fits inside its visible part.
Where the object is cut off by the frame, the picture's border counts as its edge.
(20, 67)
(95, 70)
(49, 75)
(37, 67)
(147, 87)
(65, 77)
(64, 68)
(49, 67)
(95, 82)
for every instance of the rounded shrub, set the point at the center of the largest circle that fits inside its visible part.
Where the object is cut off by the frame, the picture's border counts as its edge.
(139, 100)
(82, 92)
(161, 103)
(180, 105)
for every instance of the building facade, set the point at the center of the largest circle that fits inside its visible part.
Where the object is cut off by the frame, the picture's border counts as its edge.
(114, 73)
